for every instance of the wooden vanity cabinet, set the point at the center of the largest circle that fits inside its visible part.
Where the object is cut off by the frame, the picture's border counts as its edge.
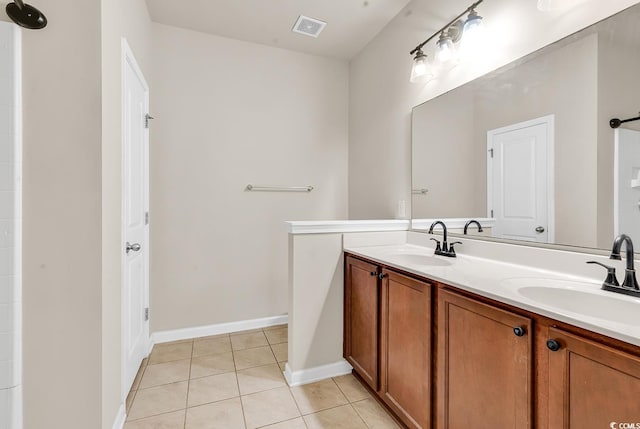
(484, 365)
(405, 348)
(361, 319)
(591, 385)
(447, 359)
(387, 338)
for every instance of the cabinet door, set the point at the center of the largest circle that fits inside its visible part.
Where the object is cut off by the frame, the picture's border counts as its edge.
(484, 366)
(591, 386)
(405, 364)
(361, 319)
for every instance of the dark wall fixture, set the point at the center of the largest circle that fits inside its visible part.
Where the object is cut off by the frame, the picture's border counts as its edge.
(26, 15)
(615, 122)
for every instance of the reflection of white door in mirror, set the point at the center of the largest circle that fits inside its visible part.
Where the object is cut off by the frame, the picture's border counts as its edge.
(627, 184)
(520, 180)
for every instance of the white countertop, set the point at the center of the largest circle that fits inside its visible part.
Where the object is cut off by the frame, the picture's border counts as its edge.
(495, 280)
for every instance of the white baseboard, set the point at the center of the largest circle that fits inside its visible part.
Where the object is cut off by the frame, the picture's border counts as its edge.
(310, 375)
(220, 328)
(120, 418)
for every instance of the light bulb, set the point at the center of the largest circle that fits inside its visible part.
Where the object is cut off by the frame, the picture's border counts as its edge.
(420, 72)
(473, 35)
(445, 48)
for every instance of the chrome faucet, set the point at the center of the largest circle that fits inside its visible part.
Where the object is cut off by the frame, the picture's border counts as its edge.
(446, 249)
(630, 284)
(466, 226)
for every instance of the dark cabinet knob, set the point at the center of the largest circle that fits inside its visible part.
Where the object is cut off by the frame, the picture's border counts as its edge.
(519, 331)
(373, 273)
(382, 275)
(553, 345)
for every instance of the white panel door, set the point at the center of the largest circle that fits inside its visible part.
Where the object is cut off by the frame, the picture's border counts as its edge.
(518, 170)
(135, 228)
(627, 184)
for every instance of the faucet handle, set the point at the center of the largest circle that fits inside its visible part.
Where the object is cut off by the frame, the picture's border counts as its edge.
(438, 248)
(611, 279)
(451, 249)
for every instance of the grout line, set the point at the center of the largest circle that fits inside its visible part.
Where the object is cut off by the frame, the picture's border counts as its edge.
(186, 401)
(233, 358)
(359, 415)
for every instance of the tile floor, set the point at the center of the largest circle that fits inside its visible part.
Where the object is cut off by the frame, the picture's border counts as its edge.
(235, 381)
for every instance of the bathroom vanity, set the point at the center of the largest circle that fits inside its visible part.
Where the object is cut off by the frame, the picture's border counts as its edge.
(473, 342)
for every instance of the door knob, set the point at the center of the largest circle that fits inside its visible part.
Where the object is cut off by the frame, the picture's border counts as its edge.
(135, 247)
(540, 229)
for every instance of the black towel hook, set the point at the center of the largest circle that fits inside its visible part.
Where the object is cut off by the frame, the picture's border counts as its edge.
(615, 122)
(25, 15)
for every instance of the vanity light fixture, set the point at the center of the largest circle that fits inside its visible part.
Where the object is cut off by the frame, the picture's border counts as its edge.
(421, 70)
(450, 34)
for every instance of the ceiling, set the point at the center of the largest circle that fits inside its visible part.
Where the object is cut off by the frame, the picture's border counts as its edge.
(351, 24)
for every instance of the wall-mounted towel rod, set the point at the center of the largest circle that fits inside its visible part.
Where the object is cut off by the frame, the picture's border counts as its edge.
(279, 188)
(422, 191)
(615, 122)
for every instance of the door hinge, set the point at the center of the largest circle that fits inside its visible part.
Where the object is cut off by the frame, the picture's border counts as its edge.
(146, 314)
(491, 212)
(147, 118)
(491, 152)
(146, 218)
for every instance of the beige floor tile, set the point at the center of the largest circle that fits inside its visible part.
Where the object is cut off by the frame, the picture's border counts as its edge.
(129, 402)
(211, 346)
(218, 415)
(281, 351)
(249, 358)
(343, 417)
(173, 420)
(282, 365)
(247, 331)
(269, 328)
(260, 378)
(277, 336)
(352, 388)
(289, 424)
(165, 373)
(374, 415)
(268, 407)
(210, 337)
(212, 389)
(136, 381)
(318, 396)
(169, 352)
(158, 400)
(207, 365)
(248, 341)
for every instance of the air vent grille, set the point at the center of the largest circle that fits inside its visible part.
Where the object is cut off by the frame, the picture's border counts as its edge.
(308, 26)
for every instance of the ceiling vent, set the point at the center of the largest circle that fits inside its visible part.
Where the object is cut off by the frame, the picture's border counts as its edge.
(308, 26)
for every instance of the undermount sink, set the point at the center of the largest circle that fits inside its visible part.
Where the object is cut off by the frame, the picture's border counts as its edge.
(582, 298)
(418, 259)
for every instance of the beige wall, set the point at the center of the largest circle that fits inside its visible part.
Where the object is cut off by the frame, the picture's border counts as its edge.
(617, 98)
(573, 72)
(229, 113)
(129, 19)
(445, 157)
(381, 96)
(62, 218)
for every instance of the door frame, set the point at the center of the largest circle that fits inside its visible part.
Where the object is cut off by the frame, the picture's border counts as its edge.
(549, 121)
(128, 59)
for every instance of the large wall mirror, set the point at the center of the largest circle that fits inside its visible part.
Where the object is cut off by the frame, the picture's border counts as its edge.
(528, 148)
